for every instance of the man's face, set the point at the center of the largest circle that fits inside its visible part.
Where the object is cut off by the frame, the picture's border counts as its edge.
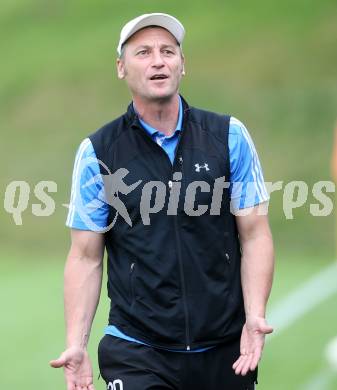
(152, 64)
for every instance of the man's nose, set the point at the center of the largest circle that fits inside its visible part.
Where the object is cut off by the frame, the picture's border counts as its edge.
(157, 59)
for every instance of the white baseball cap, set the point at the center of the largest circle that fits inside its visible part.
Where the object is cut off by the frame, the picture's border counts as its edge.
(166, 21)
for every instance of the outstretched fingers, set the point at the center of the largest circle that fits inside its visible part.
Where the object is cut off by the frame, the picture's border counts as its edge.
(240, 364)
(256, 358)
(247, 362)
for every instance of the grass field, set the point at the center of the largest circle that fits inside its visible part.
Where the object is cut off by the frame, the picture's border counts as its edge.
(271, 64)
(33, 330)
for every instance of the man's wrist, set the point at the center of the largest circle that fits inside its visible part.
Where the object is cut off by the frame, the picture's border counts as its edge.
(253, 313)
(77, 342)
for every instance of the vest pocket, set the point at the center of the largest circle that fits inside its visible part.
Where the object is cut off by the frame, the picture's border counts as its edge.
(131, 283)
(227, 258)
(226, 251)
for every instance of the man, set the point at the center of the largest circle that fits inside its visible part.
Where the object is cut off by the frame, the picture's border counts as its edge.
(177, 192)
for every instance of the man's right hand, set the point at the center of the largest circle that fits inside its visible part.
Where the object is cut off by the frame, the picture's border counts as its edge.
(77, 368)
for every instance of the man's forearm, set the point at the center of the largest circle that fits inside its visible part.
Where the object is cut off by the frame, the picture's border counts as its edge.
(82, 286)
(257, 268)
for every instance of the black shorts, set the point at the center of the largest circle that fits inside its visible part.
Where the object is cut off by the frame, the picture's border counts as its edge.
(126, 365)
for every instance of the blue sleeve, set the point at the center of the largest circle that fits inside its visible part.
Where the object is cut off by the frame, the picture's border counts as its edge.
(87, 209)
(247, 187)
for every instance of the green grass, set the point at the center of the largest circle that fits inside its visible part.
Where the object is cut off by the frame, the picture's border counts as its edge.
(33, 330)
(295, 356)
(32, 324)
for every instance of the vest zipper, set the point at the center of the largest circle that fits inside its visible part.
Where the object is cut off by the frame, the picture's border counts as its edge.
(179, 252)
(183, 286)
(176, 227)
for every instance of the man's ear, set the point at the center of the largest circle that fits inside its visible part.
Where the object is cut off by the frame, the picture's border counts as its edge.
(120, 69)
(183, 68)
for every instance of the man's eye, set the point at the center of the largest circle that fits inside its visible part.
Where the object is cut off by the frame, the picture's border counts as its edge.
(169, 52)
(142, 52)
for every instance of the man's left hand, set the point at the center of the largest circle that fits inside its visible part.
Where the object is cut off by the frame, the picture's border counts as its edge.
(251, 345)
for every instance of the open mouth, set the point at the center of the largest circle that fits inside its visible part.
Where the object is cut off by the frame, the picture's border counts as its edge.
(159, 77)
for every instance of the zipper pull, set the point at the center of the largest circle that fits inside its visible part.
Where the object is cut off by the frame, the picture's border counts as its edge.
(188, 348)
(177, 176)
(132, 266)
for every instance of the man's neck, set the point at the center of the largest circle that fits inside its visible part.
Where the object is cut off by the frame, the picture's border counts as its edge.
(161, 115)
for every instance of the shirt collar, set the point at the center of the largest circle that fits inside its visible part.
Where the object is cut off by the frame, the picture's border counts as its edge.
(154, 132)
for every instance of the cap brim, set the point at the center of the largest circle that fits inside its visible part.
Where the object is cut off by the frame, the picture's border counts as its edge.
(168, 22)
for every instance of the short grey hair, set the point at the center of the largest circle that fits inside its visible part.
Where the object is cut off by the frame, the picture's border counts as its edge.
(121, 56)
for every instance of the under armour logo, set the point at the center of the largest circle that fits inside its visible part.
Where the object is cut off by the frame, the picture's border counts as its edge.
(198, 167)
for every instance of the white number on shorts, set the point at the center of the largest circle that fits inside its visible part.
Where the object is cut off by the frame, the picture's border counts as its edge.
(113, 385)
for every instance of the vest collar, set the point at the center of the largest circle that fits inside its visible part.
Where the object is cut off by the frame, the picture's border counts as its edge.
(132, 116)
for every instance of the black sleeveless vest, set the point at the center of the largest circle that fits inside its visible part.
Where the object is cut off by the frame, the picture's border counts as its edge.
(174, 277)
